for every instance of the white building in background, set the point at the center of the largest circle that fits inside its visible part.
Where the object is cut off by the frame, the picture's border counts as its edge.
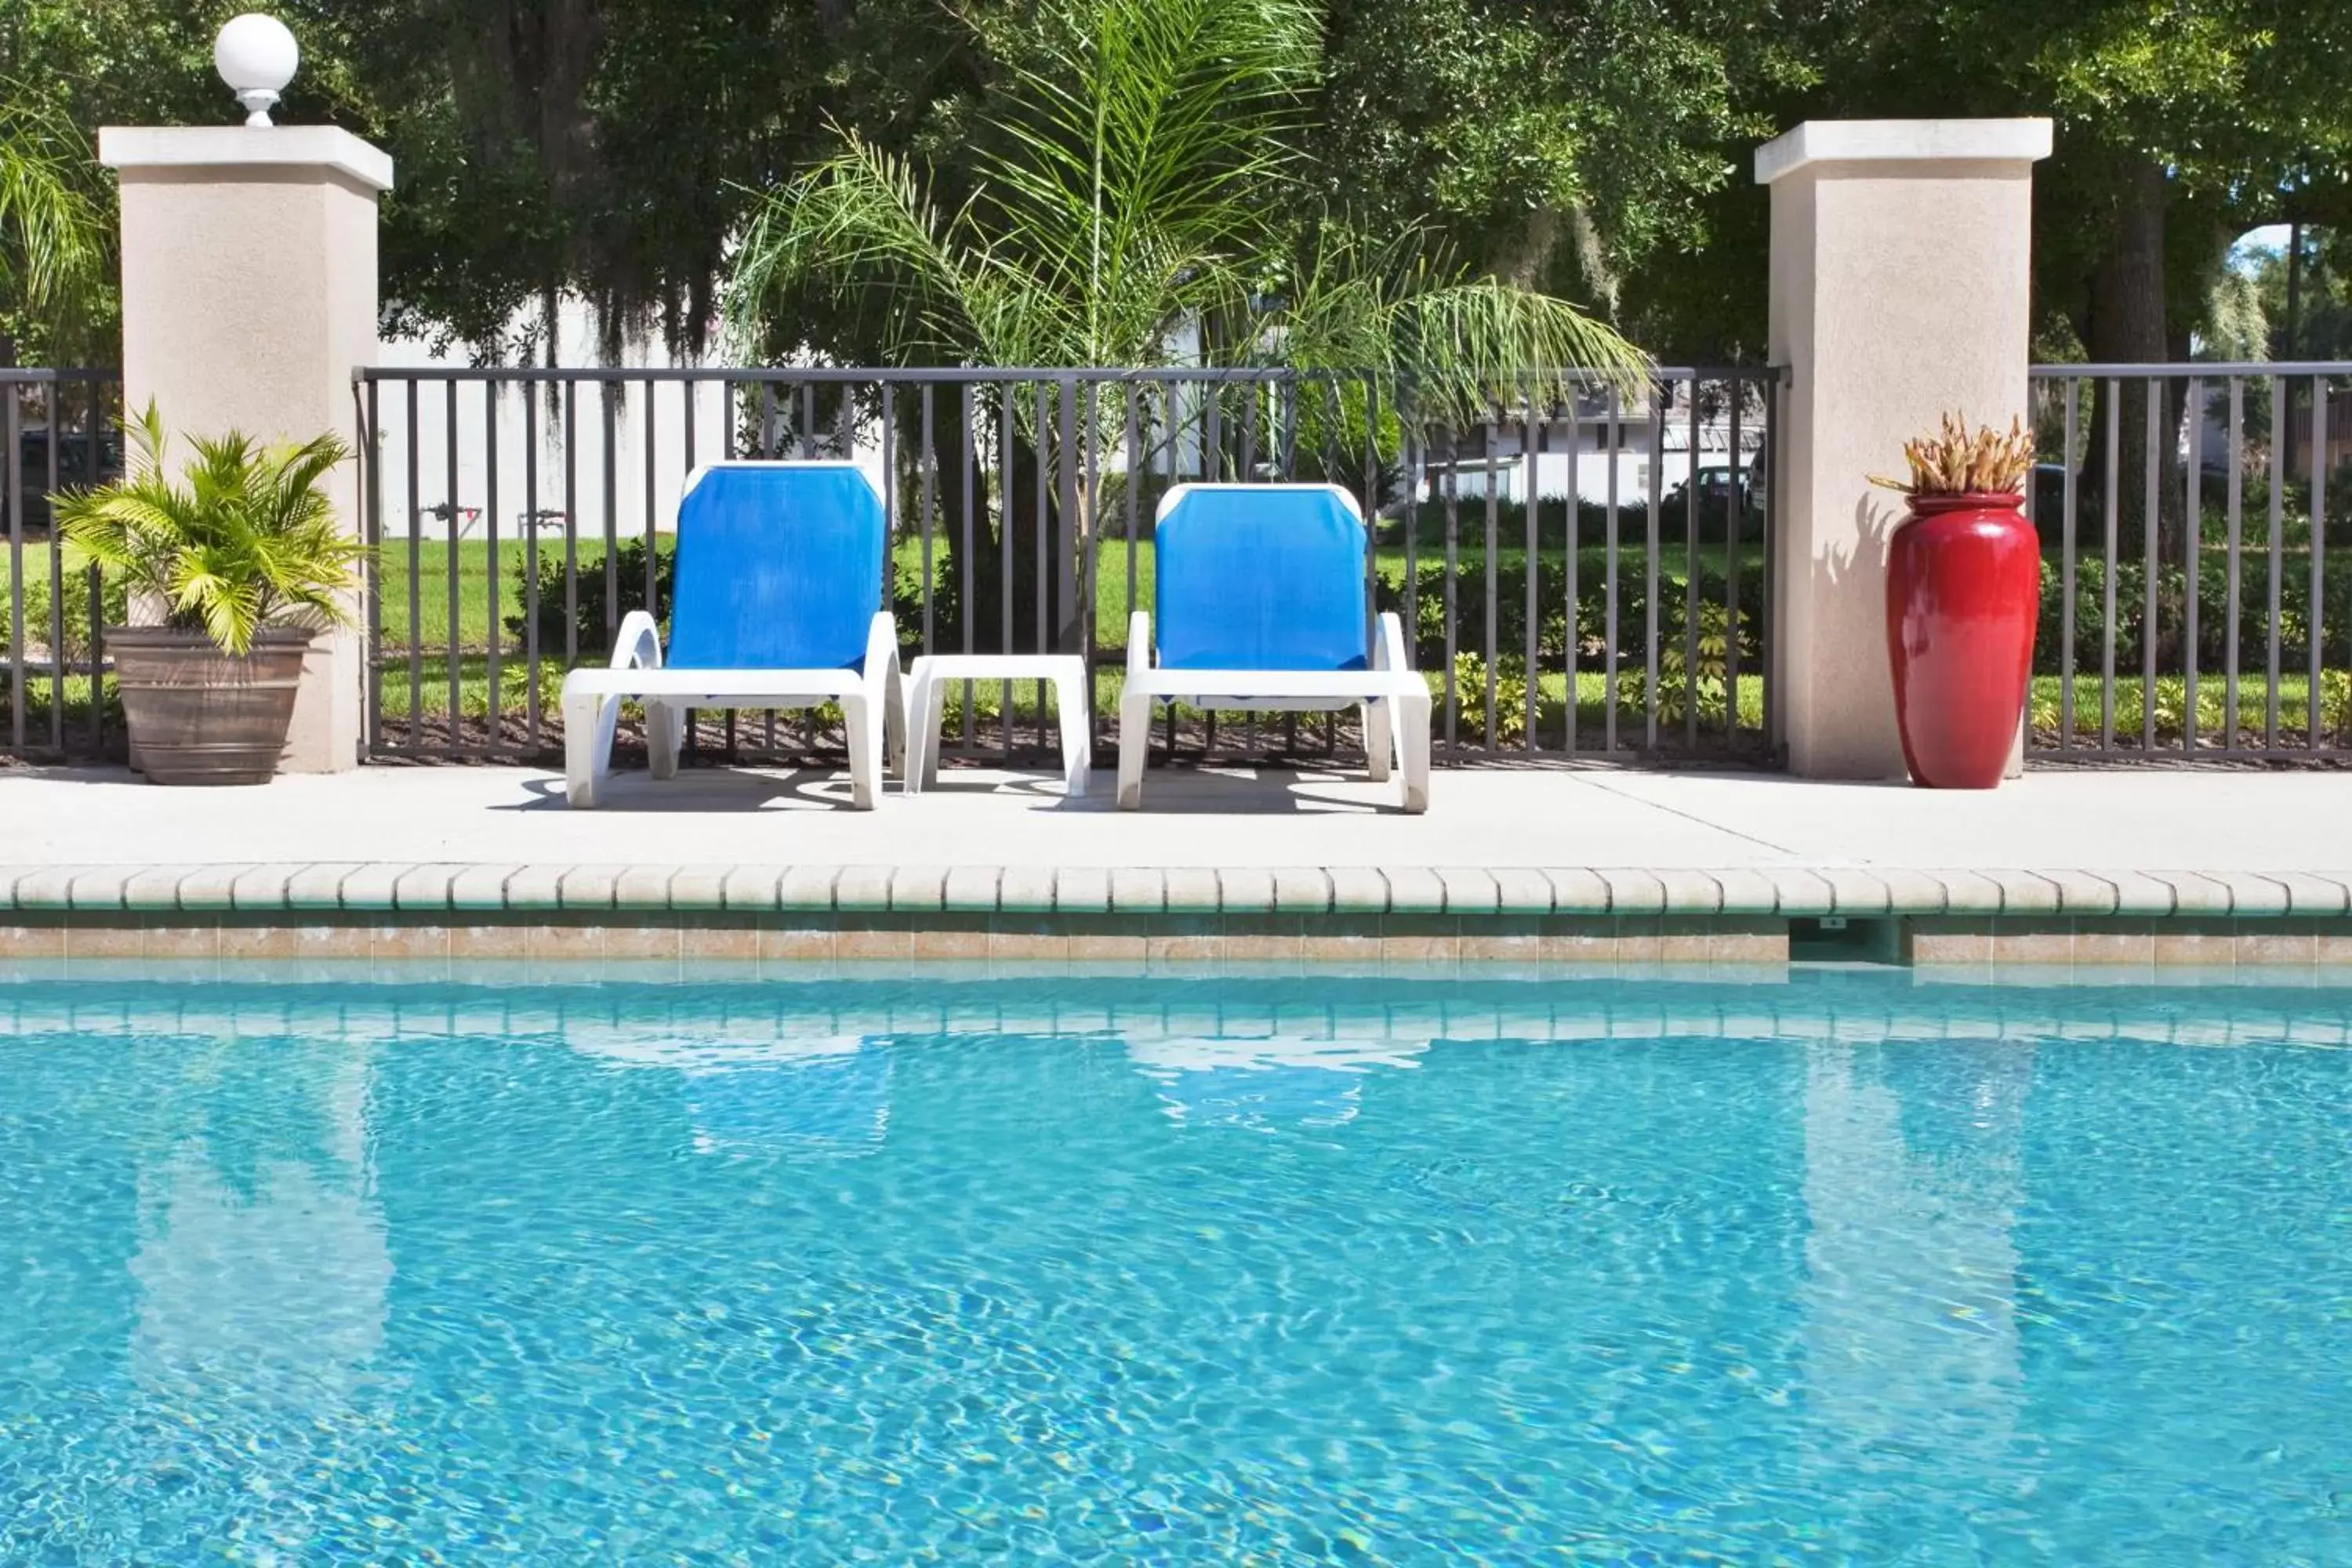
(559, 450)
(1596, 450)
(484, 450)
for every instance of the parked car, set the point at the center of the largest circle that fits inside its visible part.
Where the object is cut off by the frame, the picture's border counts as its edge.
(74, 468)
(2049, 502)
(1717, 485)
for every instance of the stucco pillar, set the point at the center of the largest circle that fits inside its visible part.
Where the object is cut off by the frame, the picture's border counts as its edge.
(248, 296)
(1900, 290)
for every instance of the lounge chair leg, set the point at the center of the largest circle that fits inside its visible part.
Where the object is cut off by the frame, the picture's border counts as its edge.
(1377, 741)
(917, 767)
(1134, 746)
(894, 717)
(1413, 745)
(587, 747)
(662, 728)
(861, 723)
(1076, 721)
(930, 709)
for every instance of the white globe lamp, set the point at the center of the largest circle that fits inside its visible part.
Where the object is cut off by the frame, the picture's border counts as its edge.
(256, 56)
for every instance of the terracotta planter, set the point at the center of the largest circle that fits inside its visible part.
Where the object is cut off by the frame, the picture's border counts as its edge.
(199, 716)
(1963, 589)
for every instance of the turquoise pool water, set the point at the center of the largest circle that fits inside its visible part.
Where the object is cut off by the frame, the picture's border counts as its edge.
(1210, 1271)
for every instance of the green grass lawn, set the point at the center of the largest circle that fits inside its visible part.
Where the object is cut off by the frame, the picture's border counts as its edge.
(475, 614)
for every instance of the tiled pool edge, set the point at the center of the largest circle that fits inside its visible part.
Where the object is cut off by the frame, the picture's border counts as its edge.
(1954, 924)
(1466, 892)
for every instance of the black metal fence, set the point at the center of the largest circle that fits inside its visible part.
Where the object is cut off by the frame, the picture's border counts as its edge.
(2194, 606)
(61, 428)
(1580, 575)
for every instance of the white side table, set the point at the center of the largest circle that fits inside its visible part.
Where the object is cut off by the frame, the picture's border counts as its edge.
(931, 675)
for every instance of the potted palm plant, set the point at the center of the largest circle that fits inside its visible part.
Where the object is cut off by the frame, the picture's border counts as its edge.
(1963, 591)
(237, 563)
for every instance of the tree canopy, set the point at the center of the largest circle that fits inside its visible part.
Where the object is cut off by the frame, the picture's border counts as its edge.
(1594, 150)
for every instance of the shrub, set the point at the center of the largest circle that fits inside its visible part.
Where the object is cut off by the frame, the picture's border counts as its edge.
(629, 592)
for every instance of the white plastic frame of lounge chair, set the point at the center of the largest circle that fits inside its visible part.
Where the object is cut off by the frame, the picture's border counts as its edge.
(1390, 693)
(870, 696)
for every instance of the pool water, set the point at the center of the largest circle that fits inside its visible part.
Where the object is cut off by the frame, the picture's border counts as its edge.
(1211, 1271)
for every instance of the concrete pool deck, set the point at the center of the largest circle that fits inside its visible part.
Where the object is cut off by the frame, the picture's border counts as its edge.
(2118, 867)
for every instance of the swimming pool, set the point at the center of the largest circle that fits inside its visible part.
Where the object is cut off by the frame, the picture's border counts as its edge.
(1199, 1271)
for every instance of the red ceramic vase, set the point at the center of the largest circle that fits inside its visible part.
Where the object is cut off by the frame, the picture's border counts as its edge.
(1963, 589)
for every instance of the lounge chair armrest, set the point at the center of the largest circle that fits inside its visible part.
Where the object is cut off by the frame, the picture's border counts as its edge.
(881, 643)
(1388, 652)
(639, 644)
(1139, 642)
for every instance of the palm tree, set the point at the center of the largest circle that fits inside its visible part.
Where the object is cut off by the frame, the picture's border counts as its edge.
(1145, 177)
(53, 232)
(1140, 199)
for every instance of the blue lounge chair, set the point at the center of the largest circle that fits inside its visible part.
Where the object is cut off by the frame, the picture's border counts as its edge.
(777, 603)
(1260, 594)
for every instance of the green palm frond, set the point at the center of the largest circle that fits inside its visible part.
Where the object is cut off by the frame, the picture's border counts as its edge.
(245, 538)
(53, 232)
(1143, 175)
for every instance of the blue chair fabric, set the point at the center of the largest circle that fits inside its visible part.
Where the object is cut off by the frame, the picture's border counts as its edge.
(1260, 577)
(779, 567)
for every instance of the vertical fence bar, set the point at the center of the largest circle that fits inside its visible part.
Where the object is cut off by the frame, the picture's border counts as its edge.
(454, 546)
(1573, 527)
(1213, 432)
(1494, 582)
(531, 560)
(2069, 519)
(415, 584)
(1088, 520)
(1653, 538)
(886, 396)
(13, 419)
(2152, 503)
(1611, 439)
(371, 567)
(1371, 500)
(1452, 582)
(2318, 635)
(51, 407)
(1770, 532)
(1004, 531)
(570, 524)
(2109, 510)
(2277, 558)
(805, 422)
(2192, 553)
(1735, 519)
(497, 707)
(766, 448)
(1248, 469)
(969, 480)
(609, 395)
(1066, 543)
(931, 461)
(1690, 565)
(94, 438)
(1531, 444)
(1134, 485)
(1415, 440)
(1043, 410)
(2232, 559)
(646, 427)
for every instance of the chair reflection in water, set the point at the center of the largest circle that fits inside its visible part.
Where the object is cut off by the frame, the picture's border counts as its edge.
(1266, 1085)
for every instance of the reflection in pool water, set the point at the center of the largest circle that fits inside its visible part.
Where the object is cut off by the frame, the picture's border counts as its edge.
(1267, 1083)
(1193, 1272)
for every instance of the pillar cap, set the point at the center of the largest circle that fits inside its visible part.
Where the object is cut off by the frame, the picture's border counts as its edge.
(1902, 140)
(240, 146)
